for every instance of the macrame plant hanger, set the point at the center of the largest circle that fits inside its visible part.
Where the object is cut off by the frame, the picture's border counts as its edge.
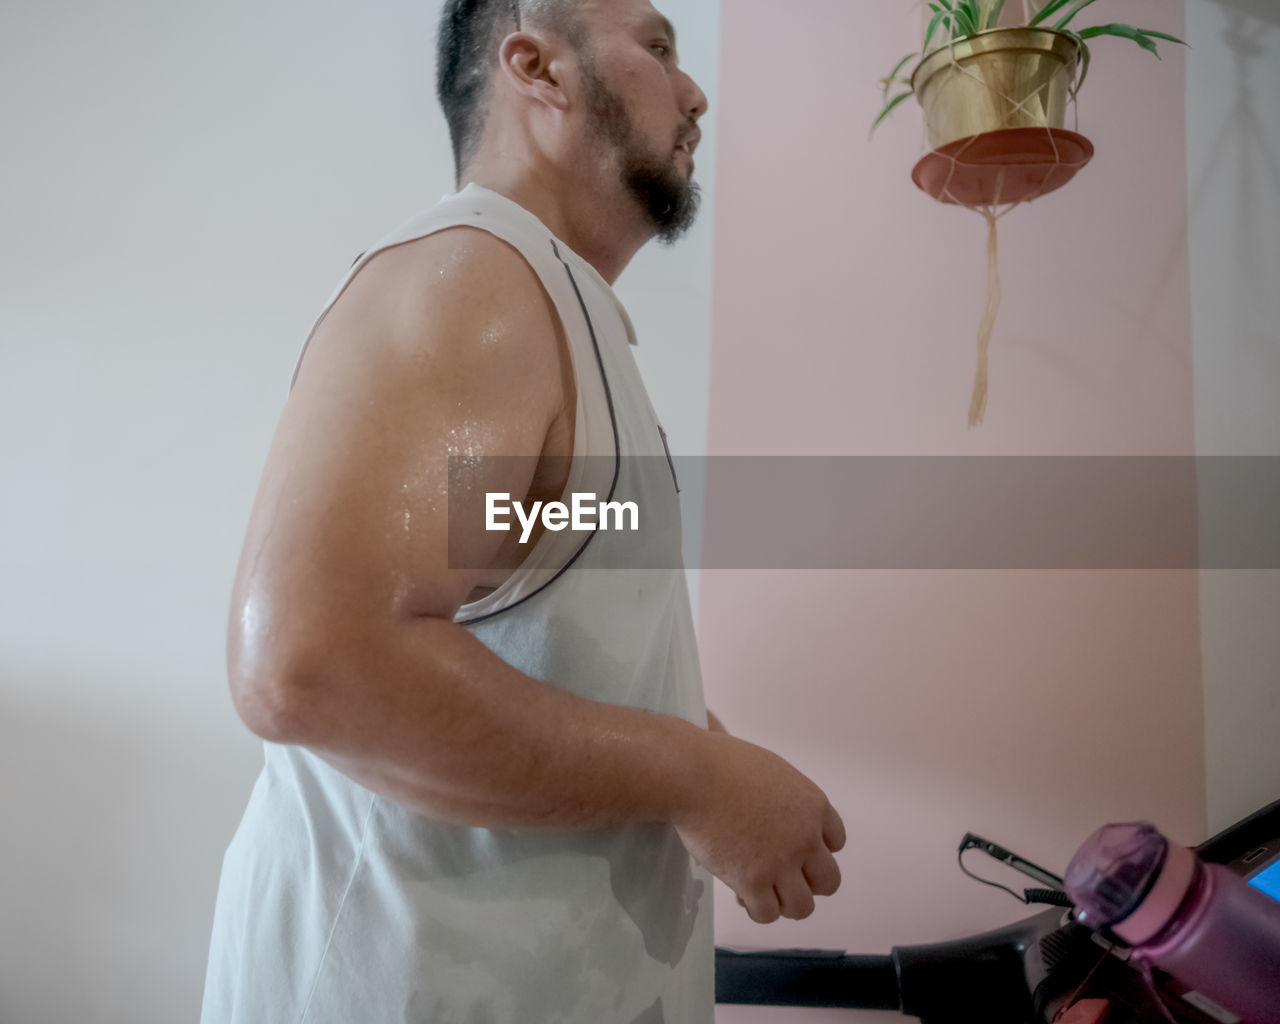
(994, 146)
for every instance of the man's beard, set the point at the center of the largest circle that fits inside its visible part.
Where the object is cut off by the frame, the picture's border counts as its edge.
(668, 200)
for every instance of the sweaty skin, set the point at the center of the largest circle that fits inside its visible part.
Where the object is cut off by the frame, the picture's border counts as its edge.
(341, 636)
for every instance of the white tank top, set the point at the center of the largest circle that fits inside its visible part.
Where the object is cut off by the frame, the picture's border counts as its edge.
(338, 905)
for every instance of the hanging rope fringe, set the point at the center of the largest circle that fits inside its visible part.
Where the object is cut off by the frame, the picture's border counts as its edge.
(978, 403)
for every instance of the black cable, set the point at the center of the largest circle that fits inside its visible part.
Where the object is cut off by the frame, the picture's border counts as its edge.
(985, 881)
(1052, 897)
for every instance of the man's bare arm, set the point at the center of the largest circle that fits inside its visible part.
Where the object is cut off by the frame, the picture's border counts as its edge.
(342, 639)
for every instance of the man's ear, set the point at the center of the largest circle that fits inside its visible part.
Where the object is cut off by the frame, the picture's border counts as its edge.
(535, 68)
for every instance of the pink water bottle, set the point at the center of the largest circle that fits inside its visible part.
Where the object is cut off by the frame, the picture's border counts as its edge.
(1198, 922)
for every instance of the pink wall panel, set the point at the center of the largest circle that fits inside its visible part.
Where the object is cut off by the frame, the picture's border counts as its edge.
(844, 292)
(1028, 706)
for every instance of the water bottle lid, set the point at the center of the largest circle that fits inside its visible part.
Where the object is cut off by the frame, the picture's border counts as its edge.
(1130, 878)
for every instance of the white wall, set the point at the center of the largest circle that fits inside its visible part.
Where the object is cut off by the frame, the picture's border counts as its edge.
(1233, 188)
(181, 187)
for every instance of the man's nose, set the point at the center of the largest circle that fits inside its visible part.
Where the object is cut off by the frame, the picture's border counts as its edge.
(694, 99)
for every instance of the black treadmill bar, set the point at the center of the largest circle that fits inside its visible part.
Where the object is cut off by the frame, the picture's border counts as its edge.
(806, 977)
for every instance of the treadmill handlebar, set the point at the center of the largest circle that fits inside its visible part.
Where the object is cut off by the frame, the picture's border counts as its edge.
(806, 977)
(982, 977)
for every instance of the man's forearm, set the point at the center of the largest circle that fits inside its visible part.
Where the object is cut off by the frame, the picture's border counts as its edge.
(427, 715)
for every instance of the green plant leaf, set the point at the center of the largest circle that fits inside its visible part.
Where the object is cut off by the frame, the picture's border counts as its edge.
(1048, 10)
(1085, 57)
(893, 76)
(1073, 8)
(964, 19)
(937, 18)
(888, 109)
(1123, 32)
(993, 14)
(1162, 35)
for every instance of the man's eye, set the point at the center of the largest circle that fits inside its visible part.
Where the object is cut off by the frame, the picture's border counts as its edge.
(666, 50)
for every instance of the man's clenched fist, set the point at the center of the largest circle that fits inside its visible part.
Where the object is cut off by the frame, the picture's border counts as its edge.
(762, 828)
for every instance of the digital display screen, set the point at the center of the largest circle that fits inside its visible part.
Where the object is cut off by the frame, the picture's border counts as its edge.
(1268, 879)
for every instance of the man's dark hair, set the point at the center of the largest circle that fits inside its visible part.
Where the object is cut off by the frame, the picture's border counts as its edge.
(467, 56)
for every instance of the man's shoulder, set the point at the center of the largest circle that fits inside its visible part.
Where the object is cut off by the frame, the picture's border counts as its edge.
(456, 317)
(460, 282)
(459, 264)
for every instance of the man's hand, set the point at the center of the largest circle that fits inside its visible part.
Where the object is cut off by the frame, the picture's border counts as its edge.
(763, 829)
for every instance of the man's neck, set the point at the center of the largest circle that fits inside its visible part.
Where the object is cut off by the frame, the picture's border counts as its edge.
(586, 221)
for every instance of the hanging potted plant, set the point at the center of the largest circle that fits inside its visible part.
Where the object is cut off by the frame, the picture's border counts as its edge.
(995, 102)
(980, 76)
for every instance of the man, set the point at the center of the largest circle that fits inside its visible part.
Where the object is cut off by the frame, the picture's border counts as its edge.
(490, 793)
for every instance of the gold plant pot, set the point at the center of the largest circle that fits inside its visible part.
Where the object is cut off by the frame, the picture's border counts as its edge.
(1002, 78)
